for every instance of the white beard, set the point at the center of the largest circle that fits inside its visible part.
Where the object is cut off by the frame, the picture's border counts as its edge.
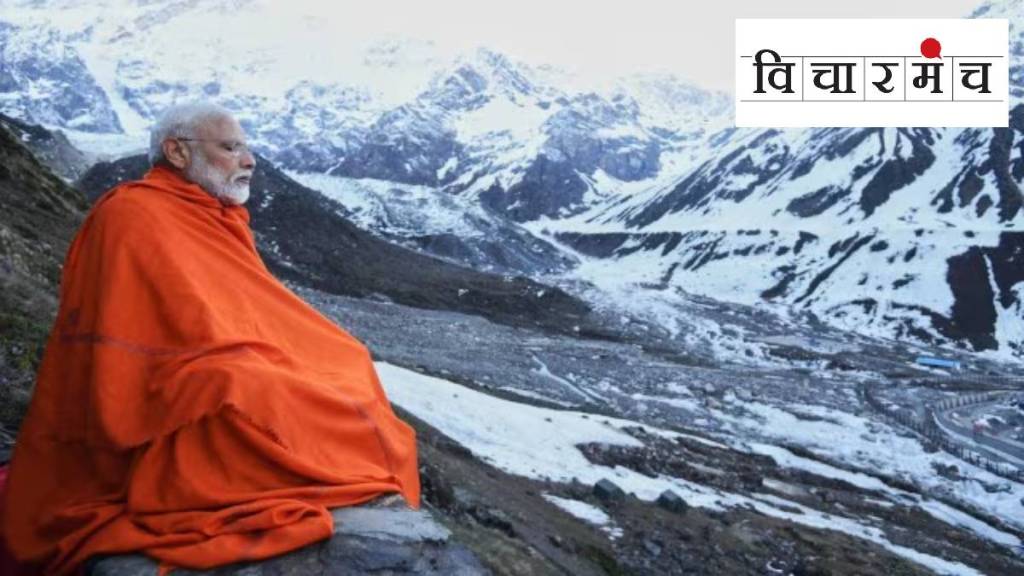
(222, 186)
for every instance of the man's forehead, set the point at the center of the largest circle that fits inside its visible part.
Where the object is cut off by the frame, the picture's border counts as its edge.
(222, 128)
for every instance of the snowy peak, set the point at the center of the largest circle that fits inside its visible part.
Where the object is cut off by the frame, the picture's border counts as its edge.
(38, 70)
(667, 102)
(400, 110)
(487, 71)
(1012, 10)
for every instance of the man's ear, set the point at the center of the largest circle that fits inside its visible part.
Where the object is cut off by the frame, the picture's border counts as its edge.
(176, 153)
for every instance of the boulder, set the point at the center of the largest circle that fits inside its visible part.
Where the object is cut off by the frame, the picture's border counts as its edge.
(607, 491)
(387, 537)
(672, 502)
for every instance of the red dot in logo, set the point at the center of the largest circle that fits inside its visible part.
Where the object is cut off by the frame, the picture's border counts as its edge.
(930, 48)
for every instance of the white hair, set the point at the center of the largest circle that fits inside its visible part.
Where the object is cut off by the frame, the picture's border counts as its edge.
(181, 121)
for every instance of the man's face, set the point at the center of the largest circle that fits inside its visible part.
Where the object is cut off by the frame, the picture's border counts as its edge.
(220, 161)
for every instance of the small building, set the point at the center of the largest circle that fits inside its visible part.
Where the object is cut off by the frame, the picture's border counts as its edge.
(938, 362)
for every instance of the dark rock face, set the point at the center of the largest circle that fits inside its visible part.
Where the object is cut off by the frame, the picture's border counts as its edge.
(1008, 174)
(845, 141)
(817, 202)
(600, 245)
(897, 172)
(52, 149)
(712, 180)
(504, 250)
(304, 237)
(409, 145)
(575, 133)
(844, 250)
(386, 539)
(39, 216)
(974, 310)
(548, 188)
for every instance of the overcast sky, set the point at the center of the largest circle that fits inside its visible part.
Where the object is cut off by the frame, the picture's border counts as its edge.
(598, 39)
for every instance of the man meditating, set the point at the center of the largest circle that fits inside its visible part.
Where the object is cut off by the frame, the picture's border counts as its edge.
(188, 405)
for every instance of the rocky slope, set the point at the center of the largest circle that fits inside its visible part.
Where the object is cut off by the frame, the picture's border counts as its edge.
(40, 214)
(51, 148)
(782, 467)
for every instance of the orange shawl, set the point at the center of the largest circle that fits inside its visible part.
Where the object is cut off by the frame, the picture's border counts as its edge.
(188, 405)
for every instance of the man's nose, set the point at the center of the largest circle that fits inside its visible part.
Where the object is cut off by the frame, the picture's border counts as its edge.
(248, 160)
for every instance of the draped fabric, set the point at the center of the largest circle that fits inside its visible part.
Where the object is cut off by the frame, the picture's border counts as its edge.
(188, 405)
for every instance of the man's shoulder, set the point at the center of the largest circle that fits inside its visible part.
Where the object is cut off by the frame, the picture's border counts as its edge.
(131, 207)
(134, 197)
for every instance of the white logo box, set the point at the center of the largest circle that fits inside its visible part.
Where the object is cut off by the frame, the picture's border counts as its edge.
(859, 50)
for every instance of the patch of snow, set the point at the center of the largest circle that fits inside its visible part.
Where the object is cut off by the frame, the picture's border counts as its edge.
(581, 510)
(541, 443)
(867, 445)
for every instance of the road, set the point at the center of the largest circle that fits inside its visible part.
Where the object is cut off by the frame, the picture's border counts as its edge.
(994, 448)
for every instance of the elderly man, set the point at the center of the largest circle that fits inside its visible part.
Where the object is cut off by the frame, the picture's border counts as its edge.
(188, 405)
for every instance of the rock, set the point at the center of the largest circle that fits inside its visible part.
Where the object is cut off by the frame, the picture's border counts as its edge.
(607, 491)
(805, 567)
(378, 538)
(1001, 488)
(684, 534)
(436, 489)
(652, 548)
(577, 490)
(397, 523)
(463, 499)
(647, 468)
(672, 502)
(751, 480)
(839, 364)
(493, 518)
(950, 471)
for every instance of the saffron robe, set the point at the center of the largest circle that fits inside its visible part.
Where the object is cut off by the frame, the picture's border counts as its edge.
(188, 405)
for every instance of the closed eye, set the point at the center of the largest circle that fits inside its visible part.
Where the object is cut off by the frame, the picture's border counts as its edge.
(234, 147)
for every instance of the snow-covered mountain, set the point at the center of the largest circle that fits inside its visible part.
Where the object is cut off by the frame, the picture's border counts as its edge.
(522, 140)
(473, 156)
(400, 110)
(902, 232)
(909, 233)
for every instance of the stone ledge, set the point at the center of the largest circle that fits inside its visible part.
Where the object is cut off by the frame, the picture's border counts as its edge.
(388, 539)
